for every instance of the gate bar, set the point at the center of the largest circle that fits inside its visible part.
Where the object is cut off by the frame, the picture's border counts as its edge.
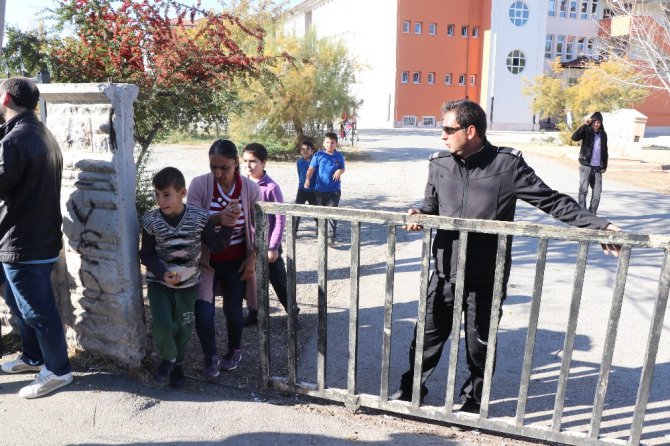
(651, 351)
(263, 290)
(421, 317)
(322, 329)
(388, 312)
(610, 341)
(456, 321)
(291, 299)
(569, 344)
(498, 291)
(540, 267)
(353, 306)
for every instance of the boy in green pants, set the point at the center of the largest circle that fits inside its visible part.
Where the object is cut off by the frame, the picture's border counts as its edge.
(171, 244)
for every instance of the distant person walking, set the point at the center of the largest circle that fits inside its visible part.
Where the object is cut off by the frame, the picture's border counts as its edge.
(31, 169)
(592, 159)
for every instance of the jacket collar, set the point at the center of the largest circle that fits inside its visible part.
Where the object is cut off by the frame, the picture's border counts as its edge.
(28, 115)
(478, 157)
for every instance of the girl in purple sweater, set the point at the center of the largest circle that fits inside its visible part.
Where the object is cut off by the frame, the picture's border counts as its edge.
(254, 158)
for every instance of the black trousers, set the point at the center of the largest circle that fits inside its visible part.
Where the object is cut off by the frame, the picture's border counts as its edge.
(304, 196)
(278, 280)
(331, 199)
(477, 300)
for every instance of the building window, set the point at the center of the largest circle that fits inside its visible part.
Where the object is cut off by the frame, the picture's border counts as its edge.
(549, 46)
(560, 40)
(447, 79)
(518, 13)
(552, 8)
(409, 121)
(404, 77)
(431, 78)
(432, 29)
(563, 8)
(516, 61)
(416, 77)
(569, 48)
(461, 79)
(475, 31)
(573, 9)
(405, 26)
(450, 30)
(580, 45)
(589, 46)
(464, 31)
(473, 79)
(417, 27)
(584, 10)
(594, 9)
(428, 121)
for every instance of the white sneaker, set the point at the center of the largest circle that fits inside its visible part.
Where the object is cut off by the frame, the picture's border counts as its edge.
(45, 383)
(19, 366)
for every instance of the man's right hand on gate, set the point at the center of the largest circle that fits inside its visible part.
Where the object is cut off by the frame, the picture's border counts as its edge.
(414, 226)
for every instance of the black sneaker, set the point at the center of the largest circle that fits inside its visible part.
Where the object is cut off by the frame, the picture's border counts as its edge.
(163, 372)
(251, 318)
(231, 360)
(403, 394)
(470, 406)
(177, 379)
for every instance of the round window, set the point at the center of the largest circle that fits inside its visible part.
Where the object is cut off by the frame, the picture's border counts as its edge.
(518, 13)
(516, 61)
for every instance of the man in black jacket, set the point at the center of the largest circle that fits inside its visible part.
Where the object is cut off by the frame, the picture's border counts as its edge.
(593, 157)
(474, 179)
(31, 167)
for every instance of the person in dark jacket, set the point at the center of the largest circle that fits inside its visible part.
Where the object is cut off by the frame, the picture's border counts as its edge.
(31, 167)
(474, 179)
(593, 157)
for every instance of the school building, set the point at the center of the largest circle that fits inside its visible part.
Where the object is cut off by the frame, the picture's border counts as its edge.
(418, 54)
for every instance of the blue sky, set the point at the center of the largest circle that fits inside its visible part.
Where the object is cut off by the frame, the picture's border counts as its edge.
(24, 13)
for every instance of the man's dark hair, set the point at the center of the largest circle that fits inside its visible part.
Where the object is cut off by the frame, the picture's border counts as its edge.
(331, 135)
(169, 177)
(225, 148)
(468, 113)
(258, 150)
(308, 143)
(23, 91)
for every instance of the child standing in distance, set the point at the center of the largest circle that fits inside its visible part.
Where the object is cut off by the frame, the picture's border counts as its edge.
(171, 244)
(329, 165)
(304, 195)
(254, 158)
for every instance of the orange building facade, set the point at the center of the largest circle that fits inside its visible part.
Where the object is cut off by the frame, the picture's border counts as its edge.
(438, 57)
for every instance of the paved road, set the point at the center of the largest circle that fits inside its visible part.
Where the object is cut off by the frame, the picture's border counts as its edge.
(108, 409)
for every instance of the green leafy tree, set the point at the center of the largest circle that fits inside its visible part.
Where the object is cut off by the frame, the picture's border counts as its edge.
(306, 91)
(548, 93)
(25, 53)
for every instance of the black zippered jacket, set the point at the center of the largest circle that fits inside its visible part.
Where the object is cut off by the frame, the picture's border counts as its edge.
(586, 135)
(31, 168)
(486, 186)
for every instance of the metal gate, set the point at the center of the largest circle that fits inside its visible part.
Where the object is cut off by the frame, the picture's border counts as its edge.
(543, 233)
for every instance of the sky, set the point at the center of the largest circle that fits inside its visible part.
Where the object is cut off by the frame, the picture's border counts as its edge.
(24, 13)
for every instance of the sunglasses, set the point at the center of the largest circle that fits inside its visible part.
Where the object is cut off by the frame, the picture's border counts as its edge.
(452, 130)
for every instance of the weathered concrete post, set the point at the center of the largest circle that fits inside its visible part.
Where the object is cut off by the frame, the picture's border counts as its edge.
(97, 279)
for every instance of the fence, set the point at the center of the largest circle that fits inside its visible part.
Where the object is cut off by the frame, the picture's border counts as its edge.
(543, 233)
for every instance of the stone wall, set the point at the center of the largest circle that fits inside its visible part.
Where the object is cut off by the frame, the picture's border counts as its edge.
(97, 279)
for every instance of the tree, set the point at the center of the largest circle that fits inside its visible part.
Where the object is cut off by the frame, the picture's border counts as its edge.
(638, 36)
(182, 57)
(604, 86)
(25, 53)
(310, 91)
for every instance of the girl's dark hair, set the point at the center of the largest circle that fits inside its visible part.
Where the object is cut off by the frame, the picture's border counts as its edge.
(225, 148)
(258, 150)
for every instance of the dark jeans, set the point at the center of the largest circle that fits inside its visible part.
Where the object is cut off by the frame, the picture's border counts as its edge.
(278, 279)
(30, 297)
(233, 292)
(302, 197)
(590, 176)
(477, 301)
(331, 199)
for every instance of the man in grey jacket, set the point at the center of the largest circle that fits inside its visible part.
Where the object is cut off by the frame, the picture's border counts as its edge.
(31, 167)
(474, 179)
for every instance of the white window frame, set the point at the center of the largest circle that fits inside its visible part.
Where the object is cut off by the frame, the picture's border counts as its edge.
(573, 9)
(450, 29)
(418, 27)
(461, 79)
(560, 46)
(432, 29)
(430, 79)
(475, 31)
(428, 121)
(416, 77)
(594, 9)
(584, 10)
(473, 79)
(409, 121)
(464, 31)
(520, 57)
(549, 42)
(406, 26)
(521, 13)
(570, 48)
(552, 8)
(448, 79)
(404, 77)
(581, 45)
(562, 8)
